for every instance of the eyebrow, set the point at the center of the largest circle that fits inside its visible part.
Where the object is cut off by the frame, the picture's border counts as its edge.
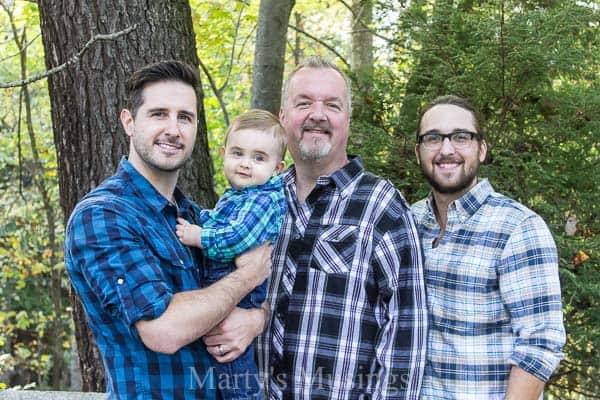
(163, 109)
(253, 151)
(327, 99)
(438, 132)
(155, 109)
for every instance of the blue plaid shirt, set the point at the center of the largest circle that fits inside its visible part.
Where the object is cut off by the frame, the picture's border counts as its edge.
(243, 219)
(125, 263)
(493, 295)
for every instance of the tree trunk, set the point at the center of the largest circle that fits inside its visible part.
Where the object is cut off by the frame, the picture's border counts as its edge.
(269, 54)
(362, 57)
(87, 96)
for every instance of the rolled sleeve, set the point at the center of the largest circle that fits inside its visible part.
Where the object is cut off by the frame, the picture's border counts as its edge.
(530, 288)
(117, 265)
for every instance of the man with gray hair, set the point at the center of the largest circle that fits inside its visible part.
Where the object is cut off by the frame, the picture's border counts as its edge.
(347, 293)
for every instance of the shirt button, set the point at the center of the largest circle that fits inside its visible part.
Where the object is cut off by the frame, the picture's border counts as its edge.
(180, 261)
(297, 236)
(120, 281)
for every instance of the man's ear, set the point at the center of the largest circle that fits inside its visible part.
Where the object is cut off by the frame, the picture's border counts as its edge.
(482, 150)
(128, 122)
(417, 154)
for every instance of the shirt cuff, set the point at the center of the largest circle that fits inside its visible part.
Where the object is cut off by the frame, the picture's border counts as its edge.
(144, 301)
(538, 362)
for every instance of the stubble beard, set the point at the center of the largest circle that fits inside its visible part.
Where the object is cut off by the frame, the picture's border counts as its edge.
(146, 154)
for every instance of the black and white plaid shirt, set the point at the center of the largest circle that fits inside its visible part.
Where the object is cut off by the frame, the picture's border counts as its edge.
(347, 294)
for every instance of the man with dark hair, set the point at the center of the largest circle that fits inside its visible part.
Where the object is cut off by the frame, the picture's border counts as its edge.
(347, 293)
(491, 271)
(137, 282)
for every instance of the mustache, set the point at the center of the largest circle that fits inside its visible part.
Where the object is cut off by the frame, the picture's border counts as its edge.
(321, 125)
(445, 159)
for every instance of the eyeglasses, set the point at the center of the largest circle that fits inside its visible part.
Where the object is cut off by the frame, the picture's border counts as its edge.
(459, 138)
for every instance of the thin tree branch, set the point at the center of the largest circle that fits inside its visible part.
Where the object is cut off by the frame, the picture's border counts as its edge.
(322, 43)
(23, 49)
(231, 57)
(72, 60)
(216, 91)
(250, 35)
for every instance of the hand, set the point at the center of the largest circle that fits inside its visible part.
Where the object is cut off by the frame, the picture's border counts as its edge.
(232, 336)
(189, 234)
(255, 263)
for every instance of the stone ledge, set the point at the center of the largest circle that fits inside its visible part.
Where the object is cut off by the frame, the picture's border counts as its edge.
(38, 395)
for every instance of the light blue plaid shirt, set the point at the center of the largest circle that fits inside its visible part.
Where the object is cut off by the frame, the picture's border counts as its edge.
(493, 295)
(243, 219)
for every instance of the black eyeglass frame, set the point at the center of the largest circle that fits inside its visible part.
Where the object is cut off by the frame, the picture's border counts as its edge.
(449, 136)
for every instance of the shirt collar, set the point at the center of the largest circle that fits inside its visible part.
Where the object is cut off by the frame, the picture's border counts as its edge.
(468, 203)
(344, 178)
(144, 190)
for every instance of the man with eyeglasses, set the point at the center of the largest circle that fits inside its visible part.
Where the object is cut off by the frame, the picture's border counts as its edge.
(491, 271)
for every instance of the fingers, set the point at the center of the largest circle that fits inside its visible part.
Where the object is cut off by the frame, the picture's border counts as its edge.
(182, 221)
(223, 353)
(213, 339)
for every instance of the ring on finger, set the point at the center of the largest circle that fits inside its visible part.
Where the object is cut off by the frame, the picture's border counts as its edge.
(220, 349)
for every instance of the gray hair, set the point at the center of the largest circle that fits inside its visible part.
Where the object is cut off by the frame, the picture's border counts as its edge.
(318, 62)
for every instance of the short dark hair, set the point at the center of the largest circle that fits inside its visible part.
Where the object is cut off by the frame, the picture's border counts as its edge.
(457, 101)
(160, 71)
(260, 120)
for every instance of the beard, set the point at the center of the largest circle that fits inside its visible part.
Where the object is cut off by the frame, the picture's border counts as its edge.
(315, 150)
(465, 180)
(147, 154)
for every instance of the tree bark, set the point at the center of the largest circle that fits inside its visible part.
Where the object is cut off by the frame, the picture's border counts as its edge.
(269, 55)
(86, 99)
(362, 57)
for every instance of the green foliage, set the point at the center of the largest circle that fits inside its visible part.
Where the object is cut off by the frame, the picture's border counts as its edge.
(225, 36)
(532, 67)
(28, 264)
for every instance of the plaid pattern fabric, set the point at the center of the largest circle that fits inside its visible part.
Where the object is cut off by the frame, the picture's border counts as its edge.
(125, 263)
(243, 219)
(493, 295)
(347, 294)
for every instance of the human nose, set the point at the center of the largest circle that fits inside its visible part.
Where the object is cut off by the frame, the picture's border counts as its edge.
(317, 112)
(173, 127)
(245, 162)
(446, 146)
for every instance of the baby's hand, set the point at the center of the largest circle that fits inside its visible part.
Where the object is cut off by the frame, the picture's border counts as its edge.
(189, 234)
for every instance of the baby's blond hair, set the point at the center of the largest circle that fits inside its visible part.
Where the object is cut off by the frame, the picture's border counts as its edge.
(263, 121)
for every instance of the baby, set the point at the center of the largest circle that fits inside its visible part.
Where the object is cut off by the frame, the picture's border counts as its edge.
(248, 214)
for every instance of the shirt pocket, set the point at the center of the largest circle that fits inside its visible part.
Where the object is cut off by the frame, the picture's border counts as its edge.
(334, 249)
(178, 268)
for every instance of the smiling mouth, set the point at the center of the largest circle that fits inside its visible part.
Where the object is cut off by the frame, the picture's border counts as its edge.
(321, 127)
(168, 146)
(447, 165)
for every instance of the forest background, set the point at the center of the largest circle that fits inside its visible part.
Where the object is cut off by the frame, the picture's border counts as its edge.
(532, 67)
